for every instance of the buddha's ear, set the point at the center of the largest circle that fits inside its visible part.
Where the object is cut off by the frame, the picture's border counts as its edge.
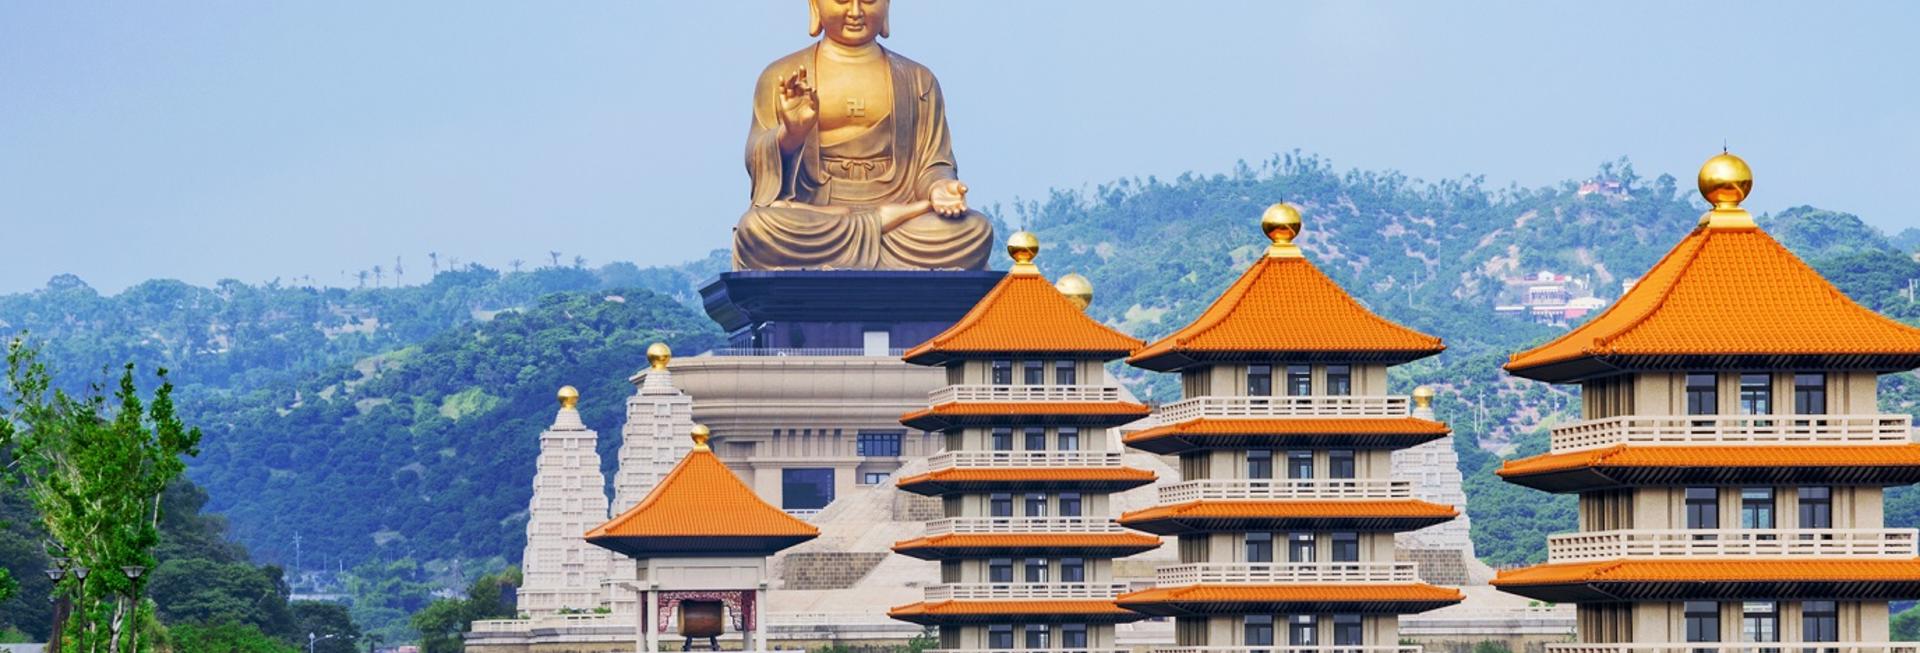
(884, 19)
(813, 19)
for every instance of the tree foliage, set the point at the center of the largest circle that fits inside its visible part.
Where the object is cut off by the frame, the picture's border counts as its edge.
(442, 623)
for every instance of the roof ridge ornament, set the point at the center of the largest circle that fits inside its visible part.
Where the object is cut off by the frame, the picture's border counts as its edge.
(1725, 181)
(1022, 246)
(1281, 222)
(1077, 289)
(700, 435)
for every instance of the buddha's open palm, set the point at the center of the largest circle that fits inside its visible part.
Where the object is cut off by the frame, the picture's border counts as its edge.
(949, 198)
(799, 105)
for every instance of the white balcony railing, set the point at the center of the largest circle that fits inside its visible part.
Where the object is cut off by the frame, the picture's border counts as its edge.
(1028, 650)
(1739, 647)
(1023, 591)
(1262, 573)
(1734, 429)
(1286, 489)
(1025, 393)
(988, 525)
(1305, 406)
(1286, 649)
(992, 459)
(1604, 545)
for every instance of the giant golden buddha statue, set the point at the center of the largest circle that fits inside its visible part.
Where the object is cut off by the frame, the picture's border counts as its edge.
(850, 159)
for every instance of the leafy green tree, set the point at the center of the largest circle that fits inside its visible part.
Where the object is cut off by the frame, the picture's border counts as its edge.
(442, 623)
(225, 638)
(327, 620)
(207, 592)
(95, 470)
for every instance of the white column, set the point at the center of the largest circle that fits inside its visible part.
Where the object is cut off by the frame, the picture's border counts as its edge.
(649, 616)
(759, 618)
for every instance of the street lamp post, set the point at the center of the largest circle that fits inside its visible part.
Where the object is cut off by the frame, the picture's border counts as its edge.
(315, 639)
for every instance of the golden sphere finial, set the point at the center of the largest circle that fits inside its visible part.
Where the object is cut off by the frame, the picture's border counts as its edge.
(1077, 289)
(1423, 396)
(658, 354)
(1281, 222)
(700, 435)
(1022, 246)
(569, 397)
(1725, 180)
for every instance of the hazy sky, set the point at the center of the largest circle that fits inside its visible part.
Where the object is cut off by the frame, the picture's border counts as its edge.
(253, 140)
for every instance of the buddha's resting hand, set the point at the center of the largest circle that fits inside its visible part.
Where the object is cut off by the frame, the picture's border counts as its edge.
(894, 215)
(949, 198)
(799, 109)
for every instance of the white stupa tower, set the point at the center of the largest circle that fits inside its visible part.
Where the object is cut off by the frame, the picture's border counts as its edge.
(561, 571)
(654, 437)
(1445, 550)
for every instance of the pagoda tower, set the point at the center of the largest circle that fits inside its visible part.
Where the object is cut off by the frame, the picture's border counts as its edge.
(559, 570)
(1027, 541)
(1288, 507)
(1732, 462)
(651, 442)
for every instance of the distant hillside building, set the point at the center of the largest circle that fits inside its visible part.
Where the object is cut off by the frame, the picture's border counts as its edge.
(1733, 463)
(1549, 298)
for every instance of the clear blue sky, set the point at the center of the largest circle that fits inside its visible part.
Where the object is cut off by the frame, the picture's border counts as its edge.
(253, 140)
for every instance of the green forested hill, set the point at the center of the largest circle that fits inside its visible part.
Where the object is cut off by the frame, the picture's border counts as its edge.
(394, 428)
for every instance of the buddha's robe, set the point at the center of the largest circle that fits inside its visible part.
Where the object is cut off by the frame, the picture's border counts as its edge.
(814, 208)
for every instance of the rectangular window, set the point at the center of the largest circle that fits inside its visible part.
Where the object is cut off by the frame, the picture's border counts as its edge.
(806, 488)
(1036, 505)
(1036, 570)
(1036, 438)
(1339, 380)
(1000, 505)
(1347, 630)
(1703, 397)
(1703, 508)
(1064, 373)
(1756, 507)
(1070, 504)
(1810, 393)
(1073, 637)
(879, 444)
(1703, 621)
(1003, 372)
(1067, 439)
(1000, 570)
(1259, 547)
(1300, 464)
(1299, 380)
(1259, 380)
(1033, 372)
(1340, 463)
(1756, 396)
(1760, 622)
(1302, 630)
(1259, 630)
(873, 478)
(1259, 464)
(1299, 547)
(1346, 547)
(1002, 438)
(1037, 637)
(1000, 636)
(1816, 508)
(1073, 570)
(1819, 621)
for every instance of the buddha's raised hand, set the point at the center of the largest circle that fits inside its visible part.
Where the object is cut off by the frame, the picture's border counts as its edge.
(799, 108)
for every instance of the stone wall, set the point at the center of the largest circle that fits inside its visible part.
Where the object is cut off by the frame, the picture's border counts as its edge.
(828, 570)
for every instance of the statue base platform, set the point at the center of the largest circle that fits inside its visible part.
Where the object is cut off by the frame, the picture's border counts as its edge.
(877, 312)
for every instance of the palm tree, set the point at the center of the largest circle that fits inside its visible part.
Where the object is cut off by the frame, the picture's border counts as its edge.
(579, 261)
(556, 258)
(434, 257)
(363, 278)
(398, 272)
(376, 276)
(515, 264)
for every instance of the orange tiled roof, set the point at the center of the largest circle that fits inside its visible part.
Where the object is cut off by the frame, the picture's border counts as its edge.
(1291, 593)
(1402, 508)
(1745, 455)
(1709, 570)
(1030, 541)
(1414, 430)
(942, 415)
(1023, 313)
(1285, 305)
(702, 499)
(1725, 291)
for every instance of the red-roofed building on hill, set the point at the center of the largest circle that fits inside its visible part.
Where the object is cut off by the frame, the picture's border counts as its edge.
(1732, 463)
(1027, 541)
(1287, 511)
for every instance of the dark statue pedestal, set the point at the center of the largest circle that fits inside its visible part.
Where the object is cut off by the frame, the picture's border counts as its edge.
(841, 310)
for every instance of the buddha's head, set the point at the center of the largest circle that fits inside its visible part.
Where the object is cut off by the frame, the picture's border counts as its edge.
(848, 22)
